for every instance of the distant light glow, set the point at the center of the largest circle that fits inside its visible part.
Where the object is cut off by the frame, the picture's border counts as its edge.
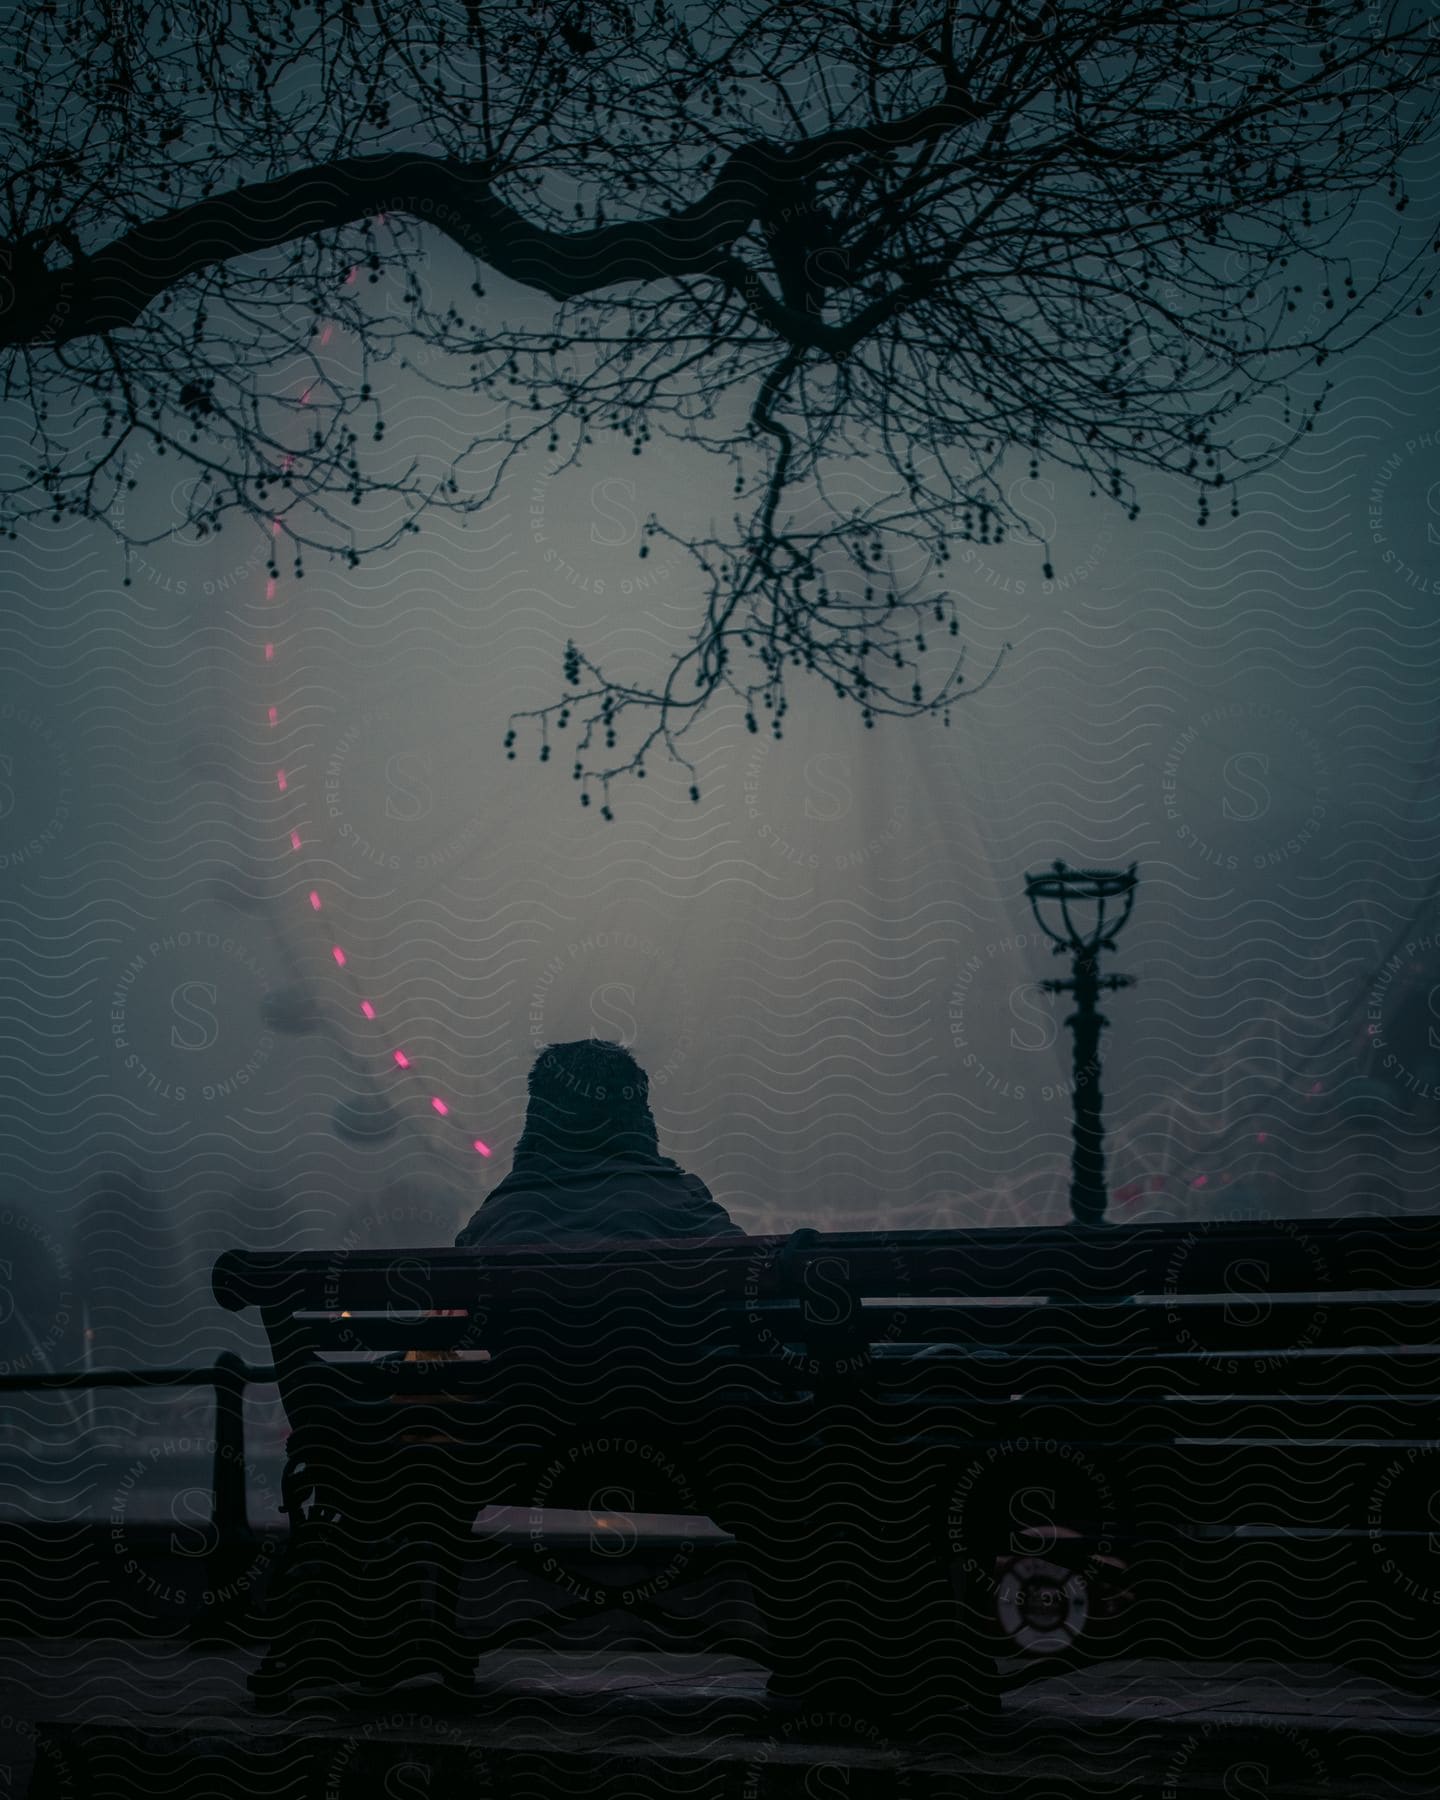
(1261, 1136)
(269, 653)
(1200, 1181)
(482, 1147)
(294, 840)
(402, 1059)
(315, 900)
(273, 714)
(440, 1106)
(367, 1009)
(339, 955)
(280, 780)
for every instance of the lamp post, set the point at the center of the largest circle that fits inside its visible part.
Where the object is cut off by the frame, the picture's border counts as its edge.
(1062, 890)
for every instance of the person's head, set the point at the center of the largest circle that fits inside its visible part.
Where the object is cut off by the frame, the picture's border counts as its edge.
(589, 1099)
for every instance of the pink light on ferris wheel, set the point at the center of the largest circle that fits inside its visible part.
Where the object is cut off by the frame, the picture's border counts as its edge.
(402, 1060)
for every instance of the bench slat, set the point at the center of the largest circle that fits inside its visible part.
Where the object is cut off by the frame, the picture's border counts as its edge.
(1265, 1324)
(488, 1391)
(1358, 1372)
(990, 1372)
(965, 1372)
(1297, 1255)
(1124, 1330)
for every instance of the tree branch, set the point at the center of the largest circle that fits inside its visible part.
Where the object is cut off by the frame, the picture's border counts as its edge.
(111, 289)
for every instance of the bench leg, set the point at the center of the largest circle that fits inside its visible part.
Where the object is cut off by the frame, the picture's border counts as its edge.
(284, 1606)
(297, 1605)
(855, 1585)
(454, 1655)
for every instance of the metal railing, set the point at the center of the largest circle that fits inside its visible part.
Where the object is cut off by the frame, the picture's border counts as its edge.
(229, 1375)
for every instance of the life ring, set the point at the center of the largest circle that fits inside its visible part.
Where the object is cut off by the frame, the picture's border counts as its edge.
(1042, 1606)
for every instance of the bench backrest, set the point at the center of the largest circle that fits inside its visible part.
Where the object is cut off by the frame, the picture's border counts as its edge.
(1303, 1307)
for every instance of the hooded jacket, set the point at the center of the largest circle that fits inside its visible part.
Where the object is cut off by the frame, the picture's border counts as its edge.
(542, 1201)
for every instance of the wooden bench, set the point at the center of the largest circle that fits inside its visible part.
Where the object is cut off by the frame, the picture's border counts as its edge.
(1244, 1416)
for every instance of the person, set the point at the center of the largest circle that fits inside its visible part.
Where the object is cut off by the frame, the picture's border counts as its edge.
(588, 1163)
(841, 1612)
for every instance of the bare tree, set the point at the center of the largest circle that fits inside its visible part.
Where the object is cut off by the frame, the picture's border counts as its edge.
(1107, 236)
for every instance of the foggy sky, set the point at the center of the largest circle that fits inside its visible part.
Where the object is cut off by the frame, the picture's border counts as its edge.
(828, 965)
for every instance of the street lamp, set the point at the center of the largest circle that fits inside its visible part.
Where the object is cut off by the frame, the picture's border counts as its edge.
(1067, 892)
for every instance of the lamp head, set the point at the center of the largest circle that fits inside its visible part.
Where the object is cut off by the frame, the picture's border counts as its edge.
(1086, 907)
